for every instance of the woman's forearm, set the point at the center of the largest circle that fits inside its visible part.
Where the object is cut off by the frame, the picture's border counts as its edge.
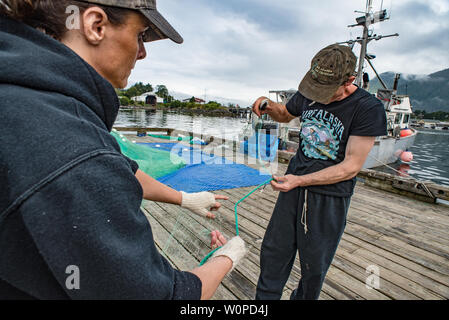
(156, 191)
(211, 274)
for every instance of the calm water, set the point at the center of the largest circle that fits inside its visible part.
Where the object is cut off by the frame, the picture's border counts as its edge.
(430, 158)
(430, 151)
(226, 127)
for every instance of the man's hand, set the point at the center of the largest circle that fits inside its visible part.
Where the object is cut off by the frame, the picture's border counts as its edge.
(276, 111)
(256, 106)
(285, 183)
(357, 151)
(200, 203)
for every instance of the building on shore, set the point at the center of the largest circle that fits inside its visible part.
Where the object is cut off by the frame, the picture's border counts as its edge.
(148, 98)
(197, 100)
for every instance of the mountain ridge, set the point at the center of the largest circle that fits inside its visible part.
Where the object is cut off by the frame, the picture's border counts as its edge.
(427, 92)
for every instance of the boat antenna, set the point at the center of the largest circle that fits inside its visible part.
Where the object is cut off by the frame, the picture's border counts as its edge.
(369, 18)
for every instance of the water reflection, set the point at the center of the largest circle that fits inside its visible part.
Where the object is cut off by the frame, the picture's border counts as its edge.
(431, 158)
(227, 127)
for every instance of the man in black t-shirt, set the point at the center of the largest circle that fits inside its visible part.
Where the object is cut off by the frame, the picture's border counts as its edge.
(339, 123)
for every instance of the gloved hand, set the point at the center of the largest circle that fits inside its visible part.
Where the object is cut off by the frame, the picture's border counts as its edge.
(199, 203)
(234, 249)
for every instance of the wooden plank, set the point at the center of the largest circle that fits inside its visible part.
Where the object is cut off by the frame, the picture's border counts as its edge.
(253, 203)
(404, 277)
(258, 198)
(189, 234)
(427, 242)
(182, 260)
(254, 275)
(244, 209)
(406, 232)
(412, 224)
(249, 211)
(416, 244)
(340, 292)
(356, 254)
(430, 279)
(392, 284)
(431, 240)
(396, 248)
(379, 234)
(250, 271)
(421, 211)
(355, 285)
(241, 289)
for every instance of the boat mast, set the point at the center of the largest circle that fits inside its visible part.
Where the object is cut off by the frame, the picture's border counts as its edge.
(364, 43)
(366, 21)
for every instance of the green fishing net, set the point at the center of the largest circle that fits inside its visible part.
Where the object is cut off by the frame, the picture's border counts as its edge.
(156, 163)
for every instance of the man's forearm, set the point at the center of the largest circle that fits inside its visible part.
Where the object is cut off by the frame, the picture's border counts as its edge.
(357, 151)
(330, 175)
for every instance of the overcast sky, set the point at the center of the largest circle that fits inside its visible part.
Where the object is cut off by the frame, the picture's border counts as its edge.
(241, 49)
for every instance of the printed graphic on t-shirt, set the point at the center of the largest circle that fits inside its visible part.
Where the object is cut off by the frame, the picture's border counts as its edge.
(321, 134)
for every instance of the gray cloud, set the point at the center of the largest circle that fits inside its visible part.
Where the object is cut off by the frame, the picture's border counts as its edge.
(242, 49)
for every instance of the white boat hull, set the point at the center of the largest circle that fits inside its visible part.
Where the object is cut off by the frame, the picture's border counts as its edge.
(387, 150)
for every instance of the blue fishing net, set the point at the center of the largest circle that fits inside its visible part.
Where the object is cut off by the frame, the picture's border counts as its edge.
(205, 172)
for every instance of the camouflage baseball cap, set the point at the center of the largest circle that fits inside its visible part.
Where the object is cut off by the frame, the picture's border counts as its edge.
(160, 28)
(330, 69)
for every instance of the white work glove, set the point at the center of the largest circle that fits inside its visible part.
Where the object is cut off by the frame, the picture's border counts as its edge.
(234, 249)
(199, 203)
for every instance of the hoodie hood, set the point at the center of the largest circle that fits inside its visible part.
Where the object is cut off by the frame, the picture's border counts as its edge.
(32, 59)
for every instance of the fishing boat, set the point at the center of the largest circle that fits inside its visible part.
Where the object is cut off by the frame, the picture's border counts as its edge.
(401, 136)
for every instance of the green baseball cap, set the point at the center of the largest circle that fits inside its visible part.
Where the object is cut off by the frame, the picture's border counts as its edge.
(160, 28)
(330, 68)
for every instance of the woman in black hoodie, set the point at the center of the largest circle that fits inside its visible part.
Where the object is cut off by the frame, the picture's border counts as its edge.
(69, 200)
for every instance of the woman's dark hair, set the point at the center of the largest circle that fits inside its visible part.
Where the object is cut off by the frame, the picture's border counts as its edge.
(50, 16)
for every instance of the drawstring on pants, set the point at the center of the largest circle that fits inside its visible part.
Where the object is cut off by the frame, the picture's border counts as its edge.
(304, 213)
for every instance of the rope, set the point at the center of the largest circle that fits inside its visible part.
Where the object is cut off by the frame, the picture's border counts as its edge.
(236, 217)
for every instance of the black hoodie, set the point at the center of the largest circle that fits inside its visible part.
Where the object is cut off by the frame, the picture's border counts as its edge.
(69, 200)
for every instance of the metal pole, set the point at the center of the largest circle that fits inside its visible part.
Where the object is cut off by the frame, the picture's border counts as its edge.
(364, 43)
(362, 56)
(378, 77)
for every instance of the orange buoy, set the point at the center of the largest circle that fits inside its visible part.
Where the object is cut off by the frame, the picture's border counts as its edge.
(406, 133)
(406, 156)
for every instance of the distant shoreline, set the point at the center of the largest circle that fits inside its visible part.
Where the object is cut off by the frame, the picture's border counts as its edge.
(210, 113)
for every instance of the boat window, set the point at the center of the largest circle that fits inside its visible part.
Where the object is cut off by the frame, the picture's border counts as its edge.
(397, 120)
(406, 118)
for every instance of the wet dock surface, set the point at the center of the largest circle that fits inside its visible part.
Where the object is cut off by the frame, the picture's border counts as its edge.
(405, 240)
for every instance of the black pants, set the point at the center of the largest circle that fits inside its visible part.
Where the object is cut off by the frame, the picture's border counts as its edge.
(324, 219)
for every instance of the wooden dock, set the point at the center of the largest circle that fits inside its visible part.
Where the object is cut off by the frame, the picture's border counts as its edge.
(406, 240)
